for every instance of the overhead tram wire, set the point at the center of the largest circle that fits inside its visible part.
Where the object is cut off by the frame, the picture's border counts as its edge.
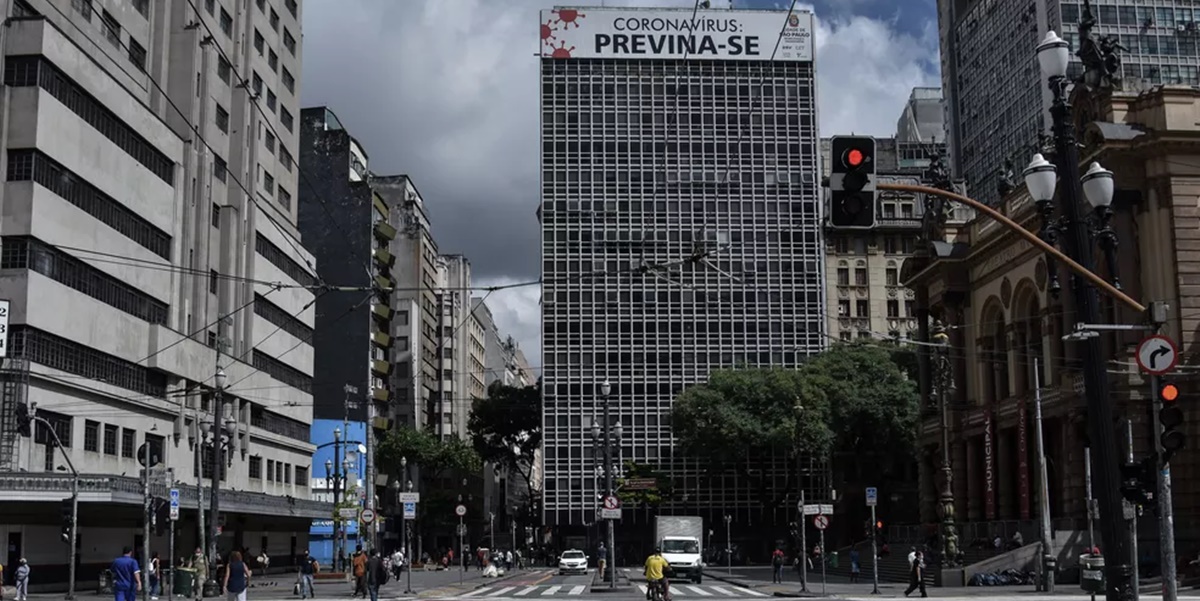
(251, 196)
(137, 262)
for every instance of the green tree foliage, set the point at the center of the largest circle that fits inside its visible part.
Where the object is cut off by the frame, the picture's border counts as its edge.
(506, 428)
(664, 490)
(435, 457)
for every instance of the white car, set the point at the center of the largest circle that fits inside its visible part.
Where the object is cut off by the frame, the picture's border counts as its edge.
(572, 561)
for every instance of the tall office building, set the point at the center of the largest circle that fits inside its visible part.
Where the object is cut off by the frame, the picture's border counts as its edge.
(999, 101)
(462, 352)
(662, 139)
(149, 189)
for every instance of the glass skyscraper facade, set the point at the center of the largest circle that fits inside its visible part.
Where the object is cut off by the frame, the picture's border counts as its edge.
(646, 161)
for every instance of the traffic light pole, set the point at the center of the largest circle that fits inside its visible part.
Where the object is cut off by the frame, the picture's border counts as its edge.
(1166, 507)
(1133, 521)
(874, 553)
(74, 536)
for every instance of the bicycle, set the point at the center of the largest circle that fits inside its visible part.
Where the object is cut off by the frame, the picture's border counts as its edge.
(659, 590)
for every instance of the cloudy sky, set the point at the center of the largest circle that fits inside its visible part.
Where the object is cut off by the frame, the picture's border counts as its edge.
(446, 91)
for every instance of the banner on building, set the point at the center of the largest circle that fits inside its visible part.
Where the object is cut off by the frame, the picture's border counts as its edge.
(674, 34)
(1023, 458)
(989, 466)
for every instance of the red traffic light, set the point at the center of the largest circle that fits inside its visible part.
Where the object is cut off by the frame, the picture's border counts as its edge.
(1169, 393)
(854, 157)
(879, 525)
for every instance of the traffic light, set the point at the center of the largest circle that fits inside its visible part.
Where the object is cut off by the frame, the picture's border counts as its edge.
(1138, 480)
(852, 182)
(24, 420)
(1170, 417)
(162, 515)
(878, 530)
(67, 510)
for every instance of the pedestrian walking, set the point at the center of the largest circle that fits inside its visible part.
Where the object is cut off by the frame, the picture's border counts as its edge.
(200, 573)
(377, 574)
(22, 580)
(126, 576)
(360, 572)
(308, 567)
(777, 565)
(855, 565)
(916, 575)
(237, 578)
(155, 574)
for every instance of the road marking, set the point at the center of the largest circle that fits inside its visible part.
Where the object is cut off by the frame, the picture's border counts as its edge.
(748, 591)
(476, 591)
(698, 591)
(502, 591)
(551, 590)
(643, 587)
(725, 592)
(577, 590)
(527, 591)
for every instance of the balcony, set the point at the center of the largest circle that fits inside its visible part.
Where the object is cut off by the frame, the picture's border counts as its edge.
(385, 231)
(382, 395)
(382, 312)
(381, 339)
(381, 368)
(382, 257)
(384, 284)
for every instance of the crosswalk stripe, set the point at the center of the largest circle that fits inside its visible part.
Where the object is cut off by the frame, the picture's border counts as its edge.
(698, 591)
(644, 589)
(501, 591)
(725, 592)
(524, 592)
(675, 590)
(551, 590)
(578, 589)
(748, 591)
(476, 591)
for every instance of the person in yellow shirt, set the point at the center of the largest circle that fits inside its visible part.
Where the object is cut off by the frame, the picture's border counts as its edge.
(656, 574)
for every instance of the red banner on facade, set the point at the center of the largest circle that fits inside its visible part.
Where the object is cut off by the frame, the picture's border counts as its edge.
(989, 467)
(1023, 458)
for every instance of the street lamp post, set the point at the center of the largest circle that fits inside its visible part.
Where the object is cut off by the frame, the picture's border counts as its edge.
(219, 434)
(1041, 178)
(729, 544)
(512, 523)
(605, 390)
(492, 529)
(945, 384)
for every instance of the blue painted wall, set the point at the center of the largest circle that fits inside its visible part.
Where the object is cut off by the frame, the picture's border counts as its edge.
(321, 533)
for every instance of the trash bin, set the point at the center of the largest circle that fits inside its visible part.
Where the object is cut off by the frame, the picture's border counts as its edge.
(834, 560)
(1091, 574)
(182, 584)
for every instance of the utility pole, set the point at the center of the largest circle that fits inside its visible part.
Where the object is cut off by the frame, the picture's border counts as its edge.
(171, 540)
(198, 455)
(608, 485)
(369, 478)
(71, 556)
(1091, 503)
(1131, 510)
(1049, 562)
(146, 531)
(874, 553)
(218, 468)
(1166, 507)
(803, 543)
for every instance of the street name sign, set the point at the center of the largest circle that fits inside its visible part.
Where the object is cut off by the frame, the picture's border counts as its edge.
(640, 484)
(410, 497)
(823, 509)
(1157, 355)
(348, 513)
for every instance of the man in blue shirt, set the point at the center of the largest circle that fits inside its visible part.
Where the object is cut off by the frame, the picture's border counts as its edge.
(127, 576)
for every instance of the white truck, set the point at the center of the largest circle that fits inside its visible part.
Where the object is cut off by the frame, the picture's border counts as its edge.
(681, 540)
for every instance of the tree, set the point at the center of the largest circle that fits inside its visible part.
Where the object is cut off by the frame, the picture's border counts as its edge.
(435, 457)
(506, 428)
(652, 497)
(742, 416)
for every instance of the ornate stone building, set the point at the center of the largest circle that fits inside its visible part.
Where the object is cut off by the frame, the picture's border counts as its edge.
(992, 290)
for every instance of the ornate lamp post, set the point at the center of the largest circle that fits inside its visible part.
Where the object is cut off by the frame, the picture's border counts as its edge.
(1041, 178)
(944, 387)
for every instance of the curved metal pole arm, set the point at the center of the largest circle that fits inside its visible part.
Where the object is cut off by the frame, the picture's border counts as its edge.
(1032, 237)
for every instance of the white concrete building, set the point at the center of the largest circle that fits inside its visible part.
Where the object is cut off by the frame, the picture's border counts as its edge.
(131, 250)
(462, 351)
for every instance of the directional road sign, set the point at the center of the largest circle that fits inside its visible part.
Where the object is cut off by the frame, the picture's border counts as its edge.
(1157, 355)
(174, 504)
(821, 522)
(410, 510)
(367, 516)
(348, 513)
(640, 484)
(410, 497)
(823, 509)
(460, 511)
(872, 496)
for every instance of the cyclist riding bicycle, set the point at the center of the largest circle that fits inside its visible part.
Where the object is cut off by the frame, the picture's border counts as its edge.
(655, 572)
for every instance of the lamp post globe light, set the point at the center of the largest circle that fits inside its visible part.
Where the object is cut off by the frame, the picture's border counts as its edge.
(1078, 236)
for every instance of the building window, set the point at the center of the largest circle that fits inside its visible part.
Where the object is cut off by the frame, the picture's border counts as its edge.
(156, 445)
(268, 183)
(259, 42)
(910, 309)
(27, 71)
(845, 335)
(269, 141)
(285, 118)
(289, 81)
(893, 308)
(843, 308)
(84, 8)
(19, 252)
(222, 119)
(270, 470)
(212, 281)
(274, 20)
(281, 371)
(33, 165)
(278, 258)
(143, 7)
(216, 215)
(862, 308)
(137, 55)
(112, 28)
(285, 198)
(128, 438)
(257, 84)
(273, 61)
(91, 436)
(224, 69)
(860, 277)
(289, 42)
(893, 276)
(262, 5)
(210, 6)
(61, 426)
(22, 10)
(226, 23)
(285, 157)
(220, 169)
(287, 474)
(110, 439)
(291, 6)
(256, 468)
(281, 319)
(301, 475)
(62, 354)
(843, 276)
(271, 101)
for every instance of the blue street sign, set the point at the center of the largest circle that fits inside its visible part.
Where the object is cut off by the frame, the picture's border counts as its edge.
(174, 497)
(872, 496)
(410, 511)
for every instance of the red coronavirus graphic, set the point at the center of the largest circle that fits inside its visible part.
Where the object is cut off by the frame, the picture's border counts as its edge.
(568, 16)
(561, 51)
(547, 33)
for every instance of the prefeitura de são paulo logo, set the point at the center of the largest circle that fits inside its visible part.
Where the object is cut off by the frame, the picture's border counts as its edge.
(562, 19)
